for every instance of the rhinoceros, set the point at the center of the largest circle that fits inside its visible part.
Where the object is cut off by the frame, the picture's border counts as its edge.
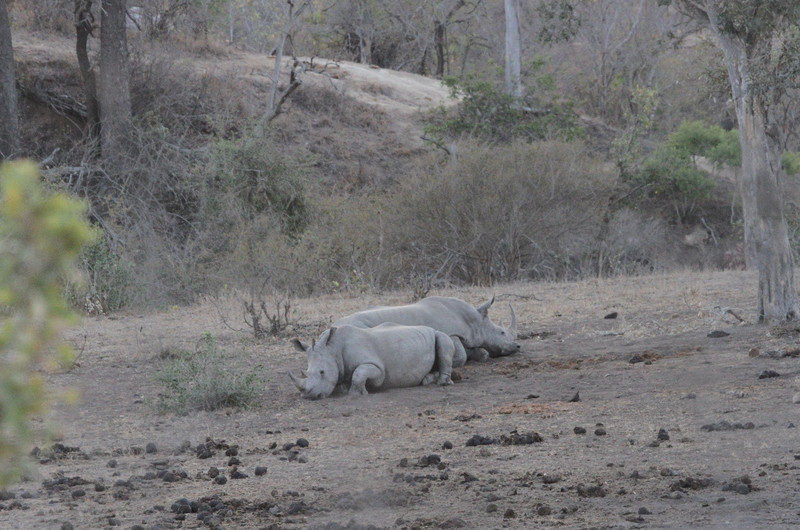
(386, 356)
(473, 333)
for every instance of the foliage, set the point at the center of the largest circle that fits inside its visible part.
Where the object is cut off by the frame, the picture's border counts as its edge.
(671, 171)
(790, 162)
(41, 236)
(259, 178)
(486, 112)
(206, 380)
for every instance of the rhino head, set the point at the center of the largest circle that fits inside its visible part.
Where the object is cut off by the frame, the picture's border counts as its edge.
(322, 375)
(497, 340)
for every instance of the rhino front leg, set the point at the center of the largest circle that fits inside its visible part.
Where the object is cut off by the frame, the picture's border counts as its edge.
(479, 355)
(445, 351)
(364, 373)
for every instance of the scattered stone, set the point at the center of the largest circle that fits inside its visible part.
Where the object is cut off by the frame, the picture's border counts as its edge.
(600, 431)
(491, 508)
(716, 334)
(754, 352)
(477, 439)
(727, 426)
(261, 470)
(690, 483)
(111, 463)
(544, 510)
(181, 506)
(236, 474)
(741, 485)
(579, 430)
(611, 315)
(636, 359)
(509, 514)
(663, 435)
(203, 451)
(76, 494)
(521, 439)
(767, 374)
(234, 461)
(66, 526)
(301, 442)
(796, 398)
(171, 476)
(644, 511)
(591, 491)
(298, 507)
(232, 451)
(213, 472)
(467, 417)
(575, 398)
(221, 479)
(150, 448)
(99, 486)
(447, 445)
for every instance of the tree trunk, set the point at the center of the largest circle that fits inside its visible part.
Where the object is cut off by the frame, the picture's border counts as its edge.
(9, 117)
(115, 96)
(84, 25)
(438, 39)
(513, 62)
(766, 232)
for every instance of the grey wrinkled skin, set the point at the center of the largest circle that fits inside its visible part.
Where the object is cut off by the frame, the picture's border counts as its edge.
(386, 356)
(475, 336)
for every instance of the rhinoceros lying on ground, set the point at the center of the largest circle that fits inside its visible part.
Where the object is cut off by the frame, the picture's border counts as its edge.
(386, 356)
(471, 329)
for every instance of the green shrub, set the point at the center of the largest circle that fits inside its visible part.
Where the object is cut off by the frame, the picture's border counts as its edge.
(41, 236)
(205, 380)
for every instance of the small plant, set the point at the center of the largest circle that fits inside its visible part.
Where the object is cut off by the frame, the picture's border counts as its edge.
(205, 380)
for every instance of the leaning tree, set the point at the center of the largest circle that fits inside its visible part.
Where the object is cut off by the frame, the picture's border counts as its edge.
(760, 41)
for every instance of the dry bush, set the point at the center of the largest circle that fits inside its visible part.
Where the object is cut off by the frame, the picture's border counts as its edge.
(502, 212)
(42, 15)
(633, 244)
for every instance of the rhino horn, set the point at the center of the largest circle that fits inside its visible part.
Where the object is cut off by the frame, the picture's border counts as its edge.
(299, 382)
(513, 327)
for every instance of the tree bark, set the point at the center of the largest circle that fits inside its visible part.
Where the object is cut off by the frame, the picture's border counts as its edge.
(9, 113)
(766, 232)
(84, 25)
(513, 61)
(114, 95)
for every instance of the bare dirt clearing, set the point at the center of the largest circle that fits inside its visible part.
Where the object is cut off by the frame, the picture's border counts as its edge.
(671, 427)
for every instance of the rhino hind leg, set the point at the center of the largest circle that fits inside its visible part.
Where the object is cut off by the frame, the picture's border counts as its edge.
(430, 378)
(364, 373)
(459, 354)
(445, 351)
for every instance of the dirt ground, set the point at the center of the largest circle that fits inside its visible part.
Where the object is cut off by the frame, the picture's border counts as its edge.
(643, 420)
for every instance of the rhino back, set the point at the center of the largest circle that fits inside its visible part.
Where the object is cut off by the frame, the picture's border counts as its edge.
(449, 315)
(406, 354)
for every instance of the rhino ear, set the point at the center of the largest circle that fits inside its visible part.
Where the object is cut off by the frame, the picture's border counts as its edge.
(330, 336)
(299, 345)
(484, 309)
